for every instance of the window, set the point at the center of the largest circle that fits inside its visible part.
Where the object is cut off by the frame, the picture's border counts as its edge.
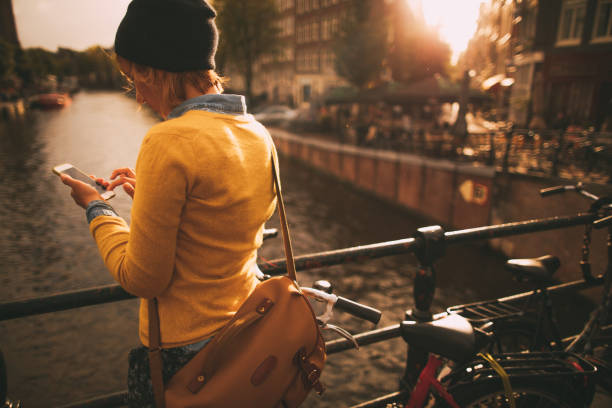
(324, 29)
(572, 22)
(286, 26)
(291, 23)
(335, 25)
(603, 21)
(306, 91)
(285, 4)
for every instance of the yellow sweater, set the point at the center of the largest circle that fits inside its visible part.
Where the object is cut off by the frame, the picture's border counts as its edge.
(204, 190)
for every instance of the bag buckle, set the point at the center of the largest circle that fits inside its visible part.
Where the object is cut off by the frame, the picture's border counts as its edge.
(310, 372)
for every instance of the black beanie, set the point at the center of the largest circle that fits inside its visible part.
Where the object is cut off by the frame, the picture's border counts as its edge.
(171, 35)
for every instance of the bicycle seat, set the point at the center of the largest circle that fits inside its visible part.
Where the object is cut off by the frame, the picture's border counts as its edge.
(534, 269)
(451, 337)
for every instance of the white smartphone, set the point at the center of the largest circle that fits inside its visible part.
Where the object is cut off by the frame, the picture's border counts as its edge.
(77, 174)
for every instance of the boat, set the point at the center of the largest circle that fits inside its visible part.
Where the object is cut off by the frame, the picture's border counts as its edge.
(50, 100)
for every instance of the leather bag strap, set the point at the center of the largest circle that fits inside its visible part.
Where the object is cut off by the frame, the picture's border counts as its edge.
(283, 221)
(155, 359)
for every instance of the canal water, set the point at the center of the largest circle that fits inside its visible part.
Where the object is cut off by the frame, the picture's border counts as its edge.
(46, 248)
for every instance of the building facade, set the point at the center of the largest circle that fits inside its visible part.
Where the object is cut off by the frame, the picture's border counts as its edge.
(559, 55)
(576, 73)
(277, 73)
(304, 68)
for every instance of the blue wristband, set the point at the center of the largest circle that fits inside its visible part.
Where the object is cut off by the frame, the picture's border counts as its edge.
(97, 208)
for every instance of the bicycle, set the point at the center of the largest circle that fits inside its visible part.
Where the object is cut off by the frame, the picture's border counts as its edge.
(461, 377)
(540, 328)
(472, 379)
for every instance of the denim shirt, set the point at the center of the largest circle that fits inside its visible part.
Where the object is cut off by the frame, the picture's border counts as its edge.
(216, 103)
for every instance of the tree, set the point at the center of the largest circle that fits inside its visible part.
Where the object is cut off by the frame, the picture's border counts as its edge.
(248, 31)
(7, 60)
(41, 61)
(418, 50)
(361, 45)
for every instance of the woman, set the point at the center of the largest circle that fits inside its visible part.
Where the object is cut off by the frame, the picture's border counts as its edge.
(202, 189)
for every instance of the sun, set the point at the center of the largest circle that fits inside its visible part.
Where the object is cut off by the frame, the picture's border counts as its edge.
(455, 19)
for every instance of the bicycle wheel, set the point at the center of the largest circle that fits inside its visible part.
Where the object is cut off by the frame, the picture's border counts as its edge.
(531, 393)
(516, 336)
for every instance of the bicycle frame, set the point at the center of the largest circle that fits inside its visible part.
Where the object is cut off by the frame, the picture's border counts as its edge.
(428, 380)
(417, 397)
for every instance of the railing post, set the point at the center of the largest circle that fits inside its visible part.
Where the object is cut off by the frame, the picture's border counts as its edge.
(430, 247)
(491, 160)
(556, 153)
(589, 153)
(3, 379)
(4, 400)
(509, 135)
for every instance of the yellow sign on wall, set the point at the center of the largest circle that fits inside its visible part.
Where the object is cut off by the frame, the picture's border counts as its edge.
(474, 192)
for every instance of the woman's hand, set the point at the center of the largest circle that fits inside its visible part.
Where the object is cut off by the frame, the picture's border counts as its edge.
(82, 193)
(126, 177)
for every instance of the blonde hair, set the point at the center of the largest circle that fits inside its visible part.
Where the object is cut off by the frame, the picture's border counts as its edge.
(171, 84)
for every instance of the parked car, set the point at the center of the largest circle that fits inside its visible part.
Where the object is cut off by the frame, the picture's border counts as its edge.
(276, 115)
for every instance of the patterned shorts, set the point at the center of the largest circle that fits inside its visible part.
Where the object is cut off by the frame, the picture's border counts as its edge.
(140, 390)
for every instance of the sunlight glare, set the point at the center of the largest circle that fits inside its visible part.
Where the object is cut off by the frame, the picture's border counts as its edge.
(455, 19)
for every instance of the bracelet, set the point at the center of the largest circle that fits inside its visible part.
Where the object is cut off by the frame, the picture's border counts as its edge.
(97, 208)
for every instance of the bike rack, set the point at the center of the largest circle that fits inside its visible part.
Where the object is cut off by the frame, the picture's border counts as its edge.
(481, 312)
(428, 245)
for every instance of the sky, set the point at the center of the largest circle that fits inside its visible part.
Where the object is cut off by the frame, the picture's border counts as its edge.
(75, 24)
(79, 24)
(455, 19)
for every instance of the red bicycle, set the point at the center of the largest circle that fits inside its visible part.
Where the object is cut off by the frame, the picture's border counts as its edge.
(457, 375)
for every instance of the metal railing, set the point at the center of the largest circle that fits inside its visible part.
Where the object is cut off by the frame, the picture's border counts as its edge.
(427, 244)
(541, 152)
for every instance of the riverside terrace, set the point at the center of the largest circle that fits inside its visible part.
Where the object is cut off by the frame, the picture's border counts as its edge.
(428, 244)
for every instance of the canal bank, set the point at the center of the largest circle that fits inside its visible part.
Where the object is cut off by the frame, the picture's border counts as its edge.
(458, 195)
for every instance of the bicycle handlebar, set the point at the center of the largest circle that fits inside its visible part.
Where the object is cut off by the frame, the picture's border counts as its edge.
(603, 222)
(269, 233)
(545, 192)
(358, 310)
(344, 304)
(599, 202)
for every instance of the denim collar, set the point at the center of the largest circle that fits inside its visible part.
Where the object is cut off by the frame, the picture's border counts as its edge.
(217, 103)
